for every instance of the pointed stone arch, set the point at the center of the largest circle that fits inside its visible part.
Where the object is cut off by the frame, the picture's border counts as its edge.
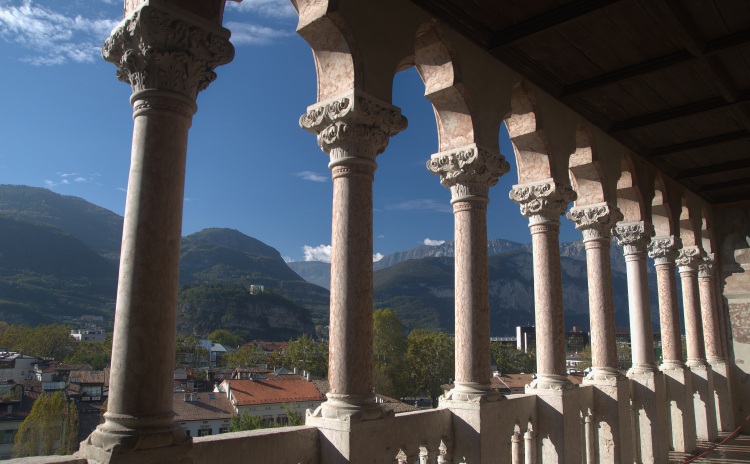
(631, 199)
(586, 176)
(661, 210)
(689, 224)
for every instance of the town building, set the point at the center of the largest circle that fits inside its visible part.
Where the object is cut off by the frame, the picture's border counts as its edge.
(16, 367)
(625, 117)
(89, 335)
(204, 413)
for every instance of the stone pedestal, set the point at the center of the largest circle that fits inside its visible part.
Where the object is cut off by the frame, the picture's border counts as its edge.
(679, 388)
(475, 425)
(167, 55)
(722, 396)
(559, 432)
(703, 400)
(611, 405)
(649, 416)
(469, 172)
(352, 129)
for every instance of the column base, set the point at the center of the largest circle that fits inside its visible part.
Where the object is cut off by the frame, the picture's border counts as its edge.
(722, 395)
(549, 382)
(119, 441)
(703, 400)
(476, 429)
(611, 405)
(472, 392)
(351, 408)
(681, 411)
(649, 415)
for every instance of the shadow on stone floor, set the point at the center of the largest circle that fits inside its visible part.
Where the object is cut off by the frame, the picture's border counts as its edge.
(734, 451)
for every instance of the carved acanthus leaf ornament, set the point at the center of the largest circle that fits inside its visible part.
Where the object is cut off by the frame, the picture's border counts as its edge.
(689, 257)
(544, 200)
(664, 250)
(707, 266)
(595, 221)
(634, 237)
(468, 171)
(153, 49)
(353, 126)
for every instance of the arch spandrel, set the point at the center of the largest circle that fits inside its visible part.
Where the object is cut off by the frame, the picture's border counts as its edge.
(586, 175)
(689, 224)
(662, 211)
(708, 239)
(634, 198)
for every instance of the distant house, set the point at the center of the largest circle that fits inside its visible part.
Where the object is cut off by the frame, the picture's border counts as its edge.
(266, 398)
(16, 367)
(88, 335)
(88, 386)
(201, 414)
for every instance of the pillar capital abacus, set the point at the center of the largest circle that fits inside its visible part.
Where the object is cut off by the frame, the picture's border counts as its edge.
(162, 48)
(468, 171)
(354, 127)
(689, 258)
(633, 237)
(595, 221)
(707, 266)
(664, 250)
(543, 201)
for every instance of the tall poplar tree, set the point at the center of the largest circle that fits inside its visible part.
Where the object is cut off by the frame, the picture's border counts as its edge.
(50, 428)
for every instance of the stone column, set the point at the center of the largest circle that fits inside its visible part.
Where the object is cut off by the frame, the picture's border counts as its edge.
(352, 129)
(677, 379)
(646, 381)
(168, 56)
(469, 172)
(713, 344)
(702, 378)
(543, 202)
(611, 394)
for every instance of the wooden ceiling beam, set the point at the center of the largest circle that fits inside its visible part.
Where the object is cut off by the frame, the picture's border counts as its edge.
(699, 143)
(713, 169)
(724, 185)
(678, 112)
(572, 11)
(457, 18)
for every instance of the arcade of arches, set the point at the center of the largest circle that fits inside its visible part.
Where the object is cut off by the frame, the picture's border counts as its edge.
(167, 50)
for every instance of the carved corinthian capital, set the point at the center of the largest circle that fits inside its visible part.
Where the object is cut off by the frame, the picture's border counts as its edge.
(543, 201)
(468, 171)
(689, 258)
(595, 221)
(634, 237)
(353, 126)
(159, 49)
(664, 250)
(707, 266)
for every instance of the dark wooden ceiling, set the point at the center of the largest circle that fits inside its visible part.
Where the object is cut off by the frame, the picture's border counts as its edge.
(669, 79)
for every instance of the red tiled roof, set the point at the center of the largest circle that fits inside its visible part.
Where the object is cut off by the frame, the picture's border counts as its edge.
(269, 346)
(89, 377)
(204, 406)
(281, 390)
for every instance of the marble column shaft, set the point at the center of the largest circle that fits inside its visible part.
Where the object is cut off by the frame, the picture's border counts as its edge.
(664, 251)
(687, 262)
(709, 310)
(634, 238)
(167, 59)
(543, 203)
(469, 172)
(352, 129)
(596, 222)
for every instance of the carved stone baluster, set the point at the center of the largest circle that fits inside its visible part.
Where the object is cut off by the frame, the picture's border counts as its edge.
(168, 56)
(516, 446)
(530, 447)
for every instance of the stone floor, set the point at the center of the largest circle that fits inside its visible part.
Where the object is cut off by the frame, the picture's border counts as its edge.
(736, 450)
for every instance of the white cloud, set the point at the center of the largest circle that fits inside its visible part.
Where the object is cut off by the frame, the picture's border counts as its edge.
(251, 34)
(288, 259)
(424, 204)
(318, 253)
(377, 257)
(312, 176)
(67, 178)
(381, 236)
(278, 9)
(53, 37)
(430, 242)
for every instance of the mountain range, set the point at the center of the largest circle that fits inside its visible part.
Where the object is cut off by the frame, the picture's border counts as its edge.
(58, 259)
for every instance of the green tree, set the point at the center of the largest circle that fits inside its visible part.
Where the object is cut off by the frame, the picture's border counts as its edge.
(585, 358)
(245, 421)
(189, 351)
(225, 337)
(246, 356)
(389, 349)
(431, 361)
(44, 341)
(275, 359)
(96, 354)
(511, 360)
(307, 355)
(293, 417)
(50, 428)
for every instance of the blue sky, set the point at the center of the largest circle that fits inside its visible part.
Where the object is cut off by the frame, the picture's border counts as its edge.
(67, 126)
